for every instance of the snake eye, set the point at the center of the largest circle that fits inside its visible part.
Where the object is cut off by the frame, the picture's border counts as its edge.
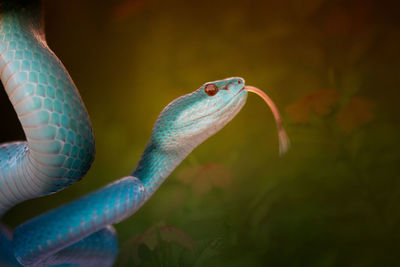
(211, 89)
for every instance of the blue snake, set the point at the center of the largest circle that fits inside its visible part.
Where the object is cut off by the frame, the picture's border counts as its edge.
(59, 148)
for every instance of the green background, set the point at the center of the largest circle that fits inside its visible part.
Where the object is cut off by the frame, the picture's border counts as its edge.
(333, 69)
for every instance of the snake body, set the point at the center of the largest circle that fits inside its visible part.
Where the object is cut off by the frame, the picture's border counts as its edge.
(60, 144)
(60, 149)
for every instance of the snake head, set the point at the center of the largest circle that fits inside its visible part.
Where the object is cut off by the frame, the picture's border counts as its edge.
(190, 119)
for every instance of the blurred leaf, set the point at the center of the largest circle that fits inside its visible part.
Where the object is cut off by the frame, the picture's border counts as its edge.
(204, 177)
(357, 113)
(174, 235)
(210, 251)
(299, 111)
(320, 102)
(153, 238)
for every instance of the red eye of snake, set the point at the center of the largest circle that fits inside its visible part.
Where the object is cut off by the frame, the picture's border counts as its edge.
(211, 89)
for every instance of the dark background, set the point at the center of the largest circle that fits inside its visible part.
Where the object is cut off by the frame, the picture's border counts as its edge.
(333, 69)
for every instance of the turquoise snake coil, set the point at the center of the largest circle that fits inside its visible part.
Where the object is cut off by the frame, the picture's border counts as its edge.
(60, 141)
(59, 148)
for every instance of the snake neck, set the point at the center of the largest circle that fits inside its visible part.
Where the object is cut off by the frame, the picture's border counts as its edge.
(156, 165)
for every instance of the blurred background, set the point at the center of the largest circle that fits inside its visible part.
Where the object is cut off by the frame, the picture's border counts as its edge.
(333, 69)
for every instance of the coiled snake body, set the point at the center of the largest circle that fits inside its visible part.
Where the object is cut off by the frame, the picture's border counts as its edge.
(60, 149)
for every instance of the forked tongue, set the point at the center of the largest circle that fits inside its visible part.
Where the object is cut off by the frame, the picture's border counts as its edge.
(284, 142)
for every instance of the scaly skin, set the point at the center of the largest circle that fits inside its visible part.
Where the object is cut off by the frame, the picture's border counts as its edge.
(60, 148)
(60, 144)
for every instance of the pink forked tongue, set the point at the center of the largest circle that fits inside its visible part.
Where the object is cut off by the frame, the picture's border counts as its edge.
(284, 142)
